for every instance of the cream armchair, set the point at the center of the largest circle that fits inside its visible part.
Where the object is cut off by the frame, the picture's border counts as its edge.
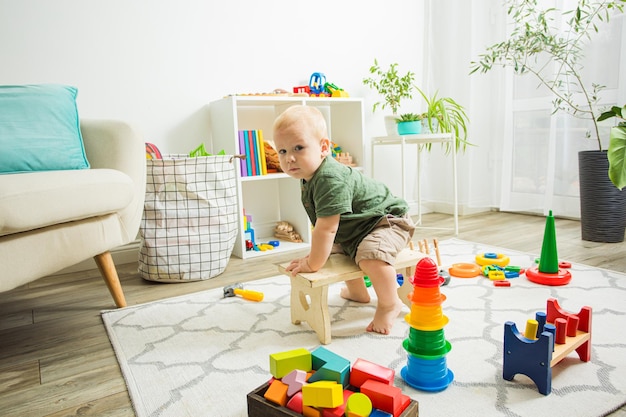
(54, 219)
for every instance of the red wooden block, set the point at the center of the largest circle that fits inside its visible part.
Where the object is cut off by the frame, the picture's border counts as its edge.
(385, 397)
(502, 283)
(363, 370)
(295, 403)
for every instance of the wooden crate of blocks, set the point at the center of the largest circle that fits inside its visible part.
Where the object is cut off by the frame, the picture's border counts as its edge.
(321, 382)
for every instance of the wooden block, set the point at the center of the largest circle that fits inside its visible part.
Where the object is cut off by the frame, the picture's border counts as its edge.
(277, 393)
(258, 406)
(282, 363)
(329, 366)
(327, 394)
(385, 397)
(363, 370)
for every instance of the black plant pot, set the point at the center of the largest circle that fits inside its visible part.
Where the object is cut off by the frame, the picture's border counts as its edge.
(602, 205)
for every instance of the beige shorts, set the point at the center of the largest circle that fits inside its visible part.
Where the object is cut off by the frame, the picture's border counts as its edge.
(389, 236)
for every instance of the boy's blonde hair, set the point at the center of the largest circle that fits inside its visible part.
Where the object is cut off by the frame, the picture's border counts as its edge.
(310, 118)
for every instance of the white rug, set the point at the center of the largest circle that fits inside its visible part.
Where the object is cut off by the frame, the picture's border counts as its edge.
(200, 354)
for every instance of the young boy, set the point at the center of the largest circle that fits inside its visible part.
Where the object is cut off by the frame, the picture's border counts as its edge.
(348, 209)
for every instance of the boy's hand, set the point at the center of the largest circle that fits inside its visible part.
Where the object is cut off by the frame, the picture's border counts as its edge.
(299, 265)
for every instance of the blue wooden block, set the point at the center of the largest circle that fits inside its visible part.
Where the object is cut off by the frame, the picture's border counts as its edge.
(329, 366)
(379, 413)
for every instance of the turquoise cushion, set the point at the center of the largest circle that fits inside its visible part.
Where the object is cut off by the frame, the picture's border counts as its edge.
(39, 129)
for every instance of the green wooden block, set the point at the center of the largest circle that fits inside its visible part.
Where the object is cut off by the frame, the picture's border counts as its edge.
(282, 363)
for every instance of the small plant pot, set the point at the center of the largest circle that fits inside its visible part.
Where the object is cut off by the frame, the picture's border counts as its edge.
(410, 128)
(390, 125)
(426, 128)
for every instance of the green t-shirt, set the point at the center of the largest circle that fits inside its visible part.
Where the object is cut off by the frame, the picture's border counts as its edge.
(360, 200)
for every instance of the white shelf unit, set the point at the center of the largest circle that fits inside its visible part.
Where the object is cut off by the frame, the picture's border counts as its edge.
(276, 197)
(421, 140)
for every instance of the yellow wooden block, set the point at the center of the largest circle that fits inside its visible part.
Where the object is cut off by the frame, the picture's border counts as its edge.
(282, 363)
(327, 394)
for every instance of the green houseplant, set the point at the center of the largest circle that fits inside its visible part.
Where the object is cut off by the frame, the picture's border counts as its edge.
(392, 87)
(535, 39)
(617, 145)
(445, 115)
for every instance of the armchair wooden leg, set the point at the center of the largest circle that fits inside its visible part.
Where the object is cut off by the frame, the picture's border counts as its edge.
(109, 273)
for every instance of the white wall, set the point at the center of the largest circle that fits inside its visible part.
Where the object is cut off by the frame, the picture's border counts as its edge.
(158, 63)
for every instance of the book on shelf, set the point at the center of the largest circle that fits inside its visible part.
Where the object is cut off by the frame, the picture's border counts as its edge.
(254, 149)
(251, 145)
(243, 163)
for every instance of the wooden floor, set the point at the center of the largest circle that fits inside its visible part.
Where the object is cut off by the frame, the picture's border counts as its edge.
(55, 356)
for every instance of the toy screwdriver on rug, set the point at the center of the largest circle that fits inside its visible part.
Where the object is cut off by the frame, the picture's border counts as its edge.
(237, 289)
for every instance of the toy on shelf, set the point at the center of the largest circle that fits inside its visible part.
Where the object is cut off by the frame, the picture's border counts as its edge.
(345, 158)
(335, 91)
(548, 271)
(316, 83)
(546, 341)
(285, 231)
(323, 383)
(302, 89)
(426, 345)
(248, 231)
(318, 87)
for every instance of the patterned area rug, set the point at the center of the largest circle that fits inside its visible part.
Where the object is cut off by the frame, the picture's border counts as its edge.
(200, 354)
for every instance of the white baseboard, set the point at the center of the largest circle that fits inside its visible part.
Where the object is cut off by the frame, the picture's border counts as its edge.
(446, 208)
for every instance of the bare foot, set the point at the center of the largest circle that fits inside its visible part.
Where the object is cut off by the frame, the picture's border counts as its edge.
(359, 298)
(384, 318)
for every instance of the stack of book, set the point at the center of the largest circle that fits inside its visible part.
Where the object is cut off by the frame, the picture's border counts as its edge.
(252, 146)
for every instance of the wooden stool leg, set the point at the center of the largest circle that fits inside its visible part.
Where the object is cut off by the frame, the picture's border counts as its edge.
(407, 287)
(311, 305)
(298, 310)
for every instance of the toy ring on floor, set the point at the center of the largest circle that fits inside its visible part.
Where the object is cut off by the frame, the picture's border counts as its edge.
(463, 270)
(492, 259)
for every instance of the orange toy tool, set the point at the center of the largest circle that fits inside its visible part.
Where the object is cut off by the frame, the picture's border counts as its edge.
(237, 289)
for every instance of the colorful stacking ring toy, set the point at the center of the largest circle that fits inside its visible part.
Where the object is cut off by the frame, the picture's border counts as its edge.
(489, 258)
(463, 270)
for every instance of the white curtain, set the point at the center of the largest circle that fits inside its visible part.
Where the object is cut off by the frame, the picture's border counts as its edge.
(525, 158)
(540, 154)
(454, 33)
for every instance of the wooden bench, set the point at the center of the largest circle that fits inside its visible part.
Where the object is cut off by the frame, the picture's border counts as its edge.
(309, 291)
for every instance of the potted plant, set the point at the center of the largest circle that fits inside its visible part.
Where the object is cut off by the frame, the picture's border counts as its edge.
(392, 87)
(445, 115)
(409, 124)
(603, 204)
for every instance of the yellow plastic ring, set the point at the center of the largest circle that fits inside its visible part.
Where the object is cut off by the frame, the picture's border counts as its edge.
(499, 260)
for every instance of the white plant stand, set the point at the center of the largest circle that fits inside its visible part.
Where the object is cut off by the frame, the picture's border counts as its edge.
(421, 140)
